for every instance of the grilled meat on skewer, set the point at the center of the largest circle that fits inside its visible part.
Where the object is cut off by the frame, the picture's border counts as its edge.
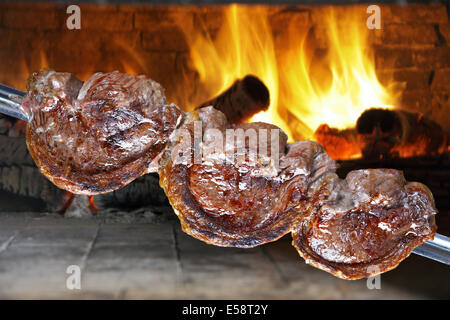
(241, 205)
(97, 136)
(352, 228)
(364, 224)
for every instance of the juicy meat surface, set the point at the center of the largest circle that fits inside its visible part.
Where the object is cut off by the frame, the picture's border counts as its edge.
(237, 202)
(235, 185)
(97, 136)
(365, 224)
(353, 228)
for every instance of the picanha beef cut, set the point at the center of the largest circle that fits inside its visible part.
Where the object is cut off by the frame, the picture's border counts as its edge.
(97, 136)
(364, 224)
(353, 228)
(229, 204)
(230, 184)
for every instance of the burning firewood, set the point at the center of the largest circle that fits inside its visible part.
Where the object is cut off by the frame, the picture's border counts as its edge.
(242, 100)
(397, 133)
(381, 133)
(80, 206)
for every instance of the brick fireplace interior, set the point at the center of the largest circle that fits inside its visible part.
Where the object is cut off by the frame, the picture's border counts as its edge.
(412, 47)
(411, 52)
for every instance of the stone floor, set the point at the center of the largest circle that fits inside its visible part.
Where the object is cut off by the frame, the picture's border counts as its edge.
(144, 256)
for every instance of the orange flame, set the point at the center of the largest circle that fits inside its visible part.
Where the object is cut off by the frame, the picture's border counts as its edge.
(353, 84)
(304, 93)
(242, 46)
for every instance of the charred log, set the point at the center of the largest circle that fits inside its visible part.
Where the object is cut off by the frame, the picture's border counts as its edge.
(397, 133)
(242, 100)
(381, 133)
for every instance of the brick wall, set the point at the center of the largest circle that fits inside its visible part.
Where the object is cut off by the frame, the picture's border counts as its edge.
(415, 43)
(413, 46)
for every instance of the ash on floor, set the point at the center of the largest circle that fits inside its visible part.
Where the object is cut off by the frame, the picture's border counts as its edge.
(145, 255)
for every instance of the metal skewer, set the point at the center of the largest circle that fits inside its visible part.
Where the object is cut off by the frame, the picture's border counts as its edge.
(437, 249)
(11, 102)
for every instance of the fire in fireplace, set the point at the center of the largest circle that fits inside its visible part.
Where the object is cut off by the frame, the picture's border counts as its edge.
(315, 75)
(322, 65)
(374, 98)
(313, 70)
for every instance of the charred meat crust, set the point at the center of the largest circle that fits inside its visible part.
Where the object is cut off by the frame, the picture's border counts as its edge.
(353, 228)
(211, 205)
(363, 225)
(98, 136)
(200, 224)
